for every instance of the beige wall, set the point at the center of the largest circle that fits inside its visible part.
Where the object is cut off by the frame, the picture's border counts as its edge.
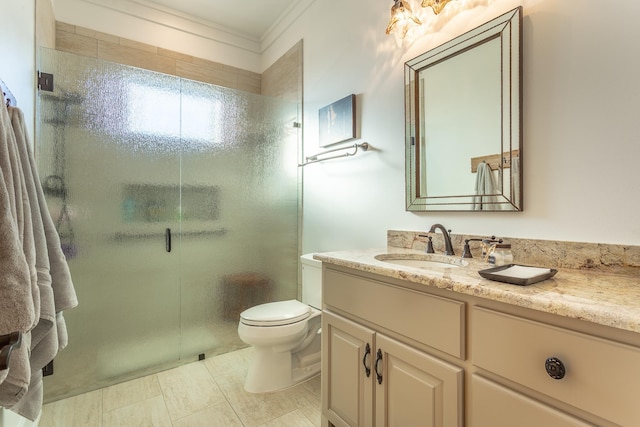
(86, 42)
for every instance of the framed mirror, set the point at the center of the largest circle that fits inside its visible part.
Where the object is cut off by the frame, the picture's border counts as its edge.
(463, 118)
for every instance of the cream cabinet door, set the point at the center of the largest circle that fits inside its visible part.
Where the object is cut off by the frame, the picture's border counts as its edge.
(347, 382)
(415, 389)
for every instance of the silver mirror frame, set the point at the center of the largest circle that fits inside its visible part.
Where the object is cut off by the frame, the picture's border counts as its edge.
(508, 28)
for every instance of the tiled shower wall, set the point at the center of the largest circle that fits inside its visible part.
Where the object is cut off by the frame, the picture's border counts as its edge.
(94, 44)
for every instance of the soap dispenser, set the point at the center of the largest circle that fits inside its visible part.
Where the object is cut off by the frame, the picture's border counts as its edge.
(488, 246)
(501, 255)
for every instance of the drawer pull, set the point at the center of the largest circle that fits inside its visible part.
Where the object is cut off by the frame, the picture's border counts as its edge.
(367, 369)
(378, 360)
(555, 368)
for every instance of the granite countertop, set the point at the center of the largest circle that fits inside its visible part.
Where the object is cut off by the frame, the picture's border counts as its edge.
(602, 298)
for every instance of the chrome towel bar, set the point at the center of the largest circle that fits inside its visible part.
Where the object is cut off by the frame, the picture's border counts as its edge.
(317, 157)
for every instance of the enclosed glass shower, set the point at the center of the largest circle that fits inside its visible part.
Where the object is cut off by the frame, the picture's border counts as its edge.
(177, 206)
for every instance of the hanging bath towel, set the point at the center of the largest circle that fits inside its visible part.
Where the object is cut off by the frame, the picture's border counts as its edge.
(486, 189)
(18, 311)
(54, 283)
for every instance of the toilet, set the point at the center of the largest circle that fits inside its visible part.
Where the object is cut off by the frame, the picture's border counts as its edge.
(285, 335)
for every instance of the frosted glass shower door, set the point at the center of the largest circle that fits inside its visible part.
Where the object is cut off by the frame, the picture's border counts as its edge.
(108, 151)
(239, 232)
(178, 207)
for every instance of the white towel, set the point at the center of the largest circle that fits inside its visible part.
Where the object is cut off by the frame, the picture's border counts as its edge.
(515, 180)
(486, 189)
(47, 318)
(55, 286)
(18, 311)
(61, 282)
(21, 316)
(18, 376)
(16, 302)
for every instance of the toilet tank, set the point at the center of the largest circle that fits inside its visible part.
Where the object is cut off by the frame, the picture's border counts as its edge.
(311, 281)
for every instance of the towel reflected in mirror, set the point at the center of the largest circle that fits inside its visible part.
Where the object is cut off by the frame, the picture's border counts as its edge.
(486, 189)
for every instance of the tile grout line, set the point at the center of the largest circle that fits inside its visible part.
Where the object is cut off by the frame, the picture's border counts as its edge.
(226, 398)
(101, 407)
(164, 399)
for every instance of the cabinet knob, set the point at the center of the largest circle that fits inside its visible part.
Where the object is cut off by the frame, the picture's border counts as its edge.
(555, 368)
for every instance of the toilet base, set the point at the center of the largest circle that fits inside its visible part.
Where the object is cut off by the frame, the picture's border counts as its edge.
(274, 371)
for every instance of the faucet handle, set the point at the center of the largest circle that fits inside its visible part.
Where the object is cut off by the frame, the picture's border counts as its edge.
(466, 251)
(430, 246)
(429, 249)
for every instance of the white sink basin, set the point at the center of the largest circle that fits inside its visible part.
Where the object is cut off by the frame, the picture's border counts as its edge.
(424, 261)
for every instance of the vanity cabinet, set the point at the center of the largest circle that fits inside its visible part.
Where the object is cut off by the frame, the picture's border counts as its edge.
(372, 374)
(396, 354)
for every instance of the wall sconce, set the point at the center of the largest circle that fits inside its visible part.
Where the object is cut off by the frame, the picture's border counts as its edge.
(401, 17)
(436, 5)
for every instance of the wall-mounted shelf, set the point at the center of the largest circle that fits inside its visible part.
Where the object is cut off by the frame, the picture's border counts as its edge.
(122, 236)
(153, 203)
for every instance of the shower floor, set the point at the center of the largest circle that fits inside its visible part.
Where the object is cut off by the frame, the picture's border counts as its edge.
(208, 393)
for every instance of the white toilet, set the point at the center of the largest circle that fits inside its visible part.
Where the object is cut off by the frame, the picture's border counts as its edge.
(285, 335)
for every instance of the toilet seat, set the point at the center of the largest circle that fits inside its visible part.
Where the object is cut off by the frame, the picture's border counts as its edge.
(276, 313)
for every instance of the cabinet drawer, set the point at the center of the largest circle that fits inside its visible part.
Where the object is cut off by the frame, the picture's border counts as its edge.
(497, 406)
(431, 320)
(601, 376)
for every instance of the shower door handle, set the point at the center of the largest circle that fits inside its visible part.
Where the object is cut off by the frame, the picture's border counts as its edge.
(167, 239)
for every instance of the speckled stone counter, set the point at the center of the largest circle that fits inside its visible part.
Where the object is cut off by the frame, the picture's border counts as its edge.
(610, 299)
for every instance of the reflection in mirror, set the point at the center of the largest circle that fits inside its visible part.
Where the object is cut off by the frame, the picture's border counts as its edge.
(463, 121)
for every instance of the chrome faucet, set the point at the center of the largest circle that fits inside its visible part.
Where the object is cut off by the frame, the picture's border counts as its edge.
(448, 248)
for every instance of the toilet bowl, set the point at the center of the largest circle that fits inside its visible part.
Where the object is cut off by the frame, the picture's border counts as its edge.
(285, 336)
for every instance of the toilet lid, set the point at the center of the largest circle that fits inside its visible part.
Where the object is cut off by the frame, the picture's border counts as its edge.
(275, 313)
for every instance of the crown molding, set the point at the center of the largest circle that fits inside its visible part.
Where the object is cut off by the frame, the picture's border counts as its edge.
(170, 18)
(293, 12)
(173, 19)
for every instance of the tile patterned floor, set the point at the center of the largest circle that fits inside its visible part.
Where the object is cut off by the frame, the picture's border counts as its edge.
(209, 393)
